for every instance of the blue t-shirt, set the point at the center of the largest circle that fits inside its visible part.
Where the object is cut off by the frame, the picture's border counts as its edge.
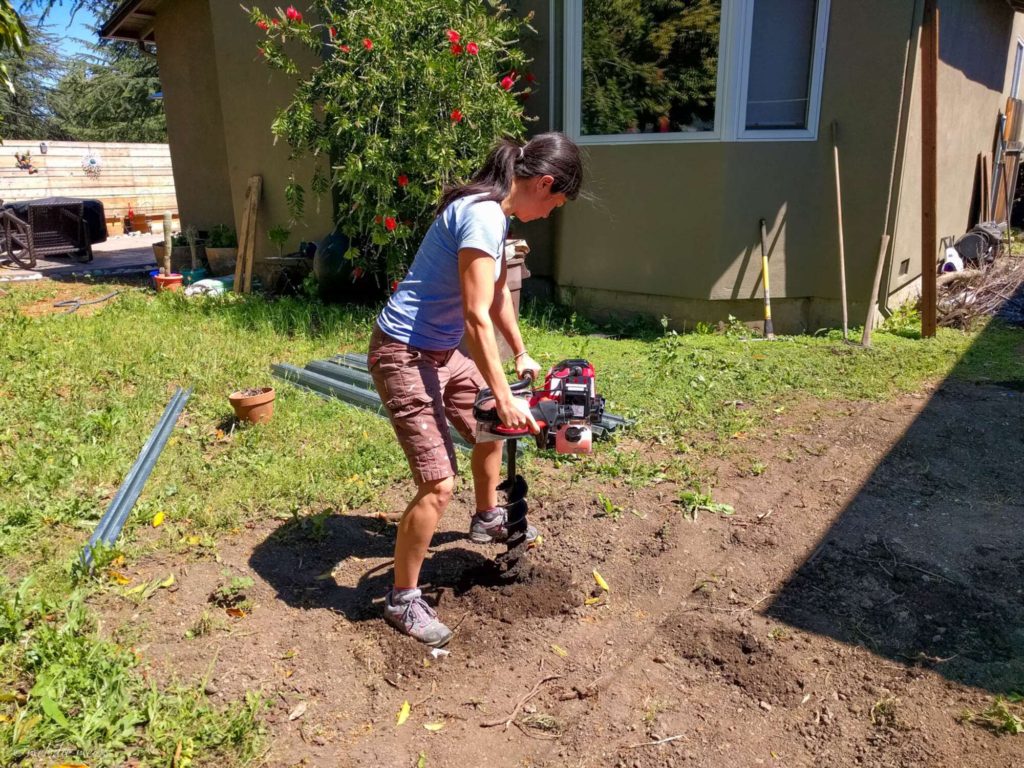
(426, 309)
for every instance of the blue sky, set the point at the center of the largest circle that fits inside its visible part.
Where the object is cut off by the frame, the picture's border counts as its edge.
(67, 31)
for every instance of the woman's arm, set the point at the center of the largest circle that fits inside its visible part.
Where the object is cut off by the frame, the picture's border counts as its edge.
(503, 314)
(476, 276)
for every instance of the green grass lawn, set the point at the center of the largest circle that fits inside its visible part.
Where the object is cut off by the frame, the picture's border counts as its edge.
(79, 395)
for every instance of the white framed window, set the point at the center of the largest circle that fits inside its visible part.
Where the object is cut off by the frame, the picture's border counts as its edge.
(1017, 62)
(704, 70)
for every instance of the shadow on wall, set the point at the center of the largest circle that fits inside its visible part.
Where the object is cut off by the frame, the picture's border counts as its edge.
(926, 565)
(974, 38)
(751, 259)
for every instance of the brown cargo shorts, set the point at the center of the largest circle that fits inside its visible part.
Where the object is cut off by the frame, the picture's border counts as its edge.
(422, 391)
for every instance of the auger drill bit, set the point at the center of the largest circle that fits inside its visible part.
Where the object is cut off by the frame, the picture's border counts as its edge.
(510, 563)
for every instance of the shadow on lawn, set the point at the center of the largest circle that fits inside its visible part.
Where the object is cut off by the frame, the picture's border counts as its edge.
(294, 558)
(926, 564)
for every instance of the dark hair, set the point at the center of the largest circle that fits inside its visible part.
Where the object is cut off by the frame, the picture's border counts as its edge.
(551, 154)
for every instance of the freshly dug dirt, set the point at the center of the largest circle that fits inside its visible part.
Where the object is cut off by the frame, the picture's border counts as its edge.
(867, 591)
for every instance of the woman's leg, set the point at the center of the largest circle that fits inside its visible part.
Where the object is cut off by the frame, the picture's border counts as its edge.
(404, 606)
(417, 527)
(486, 464)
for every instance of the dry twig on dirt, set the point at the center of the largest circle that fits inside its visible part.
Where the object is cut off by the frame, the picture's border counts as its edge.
(511, 718)
(655, 743)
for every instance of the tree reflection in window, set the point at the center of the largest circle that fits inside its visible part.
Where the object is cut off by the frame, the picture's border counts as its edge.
(649, 66)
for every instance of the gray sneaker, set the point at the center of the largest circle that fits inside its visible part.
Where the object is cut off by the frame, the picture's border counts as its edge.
(411, 615)
(483, 531)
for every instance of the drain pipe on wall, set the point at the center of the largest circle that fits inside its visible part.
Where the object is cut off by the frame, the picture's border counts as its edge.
(898, 152)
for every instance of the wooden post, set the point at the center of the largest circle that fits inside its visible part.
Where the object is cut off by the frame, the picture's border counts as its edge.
(247, 236)
(842, 247)
(865, 339)
(929, 164)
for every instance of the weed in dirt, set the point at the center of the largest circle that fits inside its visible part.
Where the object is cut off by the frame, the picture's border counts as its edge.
(540, 721)
(778, 634)
(654, 706)
(693, 502)
(905, 321)
(883, 712)
(758, 468)
(232, 593)
(202, 627)
(608, 508)
(999, 717)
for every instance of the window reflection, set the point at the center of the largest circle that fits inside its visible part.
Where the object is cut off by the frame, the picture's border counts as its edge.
(649, 66)
(781, 50)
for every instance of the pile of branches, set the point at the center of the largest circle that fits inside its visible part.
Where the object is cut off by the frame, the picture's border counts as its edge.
(993, 289)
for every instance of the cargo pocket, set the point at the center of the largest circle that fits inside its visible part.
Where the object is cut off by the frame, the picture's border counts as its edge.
(406, 406)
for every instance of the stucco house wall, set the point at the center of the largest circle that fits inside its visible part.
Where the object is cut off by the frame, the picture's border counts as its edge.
(192, 102)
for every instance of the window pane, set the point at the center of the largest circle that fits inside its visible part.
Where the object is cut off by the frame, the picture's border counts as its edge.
(649, 66)
(781, 48)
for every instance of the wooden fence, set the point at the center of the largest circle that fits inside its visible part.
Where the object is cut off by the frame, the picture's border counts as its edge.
(124, 174)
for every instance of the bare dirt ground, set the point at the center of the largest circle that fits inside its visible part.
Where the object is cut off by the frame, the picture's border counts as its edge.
(867, 591)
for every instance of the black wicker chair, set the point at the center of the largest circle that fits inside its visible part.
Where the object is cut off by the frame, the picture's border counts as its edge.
(52, 229)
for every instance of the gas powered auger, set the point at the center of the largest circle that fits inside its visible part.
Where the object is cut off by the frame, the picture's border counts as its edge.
(565, 410)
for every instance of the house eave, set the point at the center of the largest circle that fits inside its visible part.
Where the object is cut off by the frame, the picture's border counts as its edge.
(1017, 5)
(132, 21)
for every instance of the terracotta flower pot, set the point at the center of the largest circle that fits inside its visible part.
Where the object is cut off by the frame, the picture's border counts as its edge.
(168, 282)
(254, 405)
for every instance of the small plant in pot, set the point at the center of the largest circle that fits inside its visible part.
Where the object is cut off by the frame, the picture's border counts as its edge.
(279, 237)
(253, 405)
(222, 250)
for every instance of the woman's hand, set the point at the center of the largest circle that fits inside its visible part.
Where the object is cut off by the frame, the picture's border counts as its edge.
(515, 414)
(526, 363)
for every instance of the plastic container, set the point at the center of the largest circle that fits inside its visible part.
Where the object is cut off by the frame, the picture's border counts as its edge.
(190, 276)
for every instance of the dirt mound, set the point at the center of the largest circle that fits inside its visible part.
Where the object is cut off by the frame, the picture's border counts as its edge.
(738, 657)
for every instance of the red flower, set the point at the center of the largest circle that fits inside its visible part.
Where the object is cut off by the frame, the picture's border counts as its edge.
(292, 14)
(456, 116)
(344, 48)
(367, 43)
(390, 223)
(275, 22)
(394, 286)
(262, 25)
(357, 273)
(334, 33)
(453, 36)
(456, 49)
(472, 49)
(403, 180)
(530, 77)
(377, 219)
(507, 83)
